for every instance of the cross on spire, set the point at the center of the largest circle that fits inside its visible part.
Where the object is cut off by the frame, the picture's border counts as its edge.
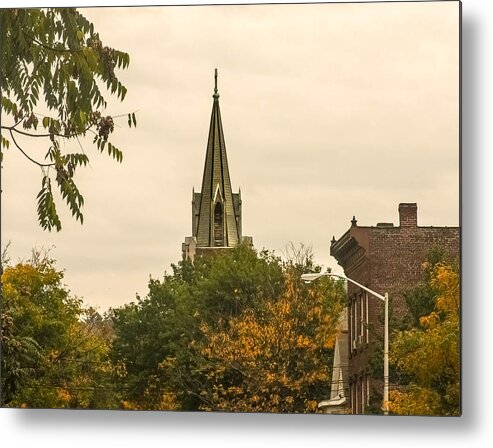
(216, 95)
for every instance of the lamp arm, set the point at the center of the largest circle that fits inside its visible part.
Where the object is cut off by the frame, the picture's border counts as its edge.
(379, 296)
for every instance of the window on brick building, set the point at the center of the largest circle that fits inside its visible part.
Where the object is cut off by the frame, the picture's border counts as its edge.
(358, 320)
(355, 322)
(367, 330)
(361, 300)
(350, 326)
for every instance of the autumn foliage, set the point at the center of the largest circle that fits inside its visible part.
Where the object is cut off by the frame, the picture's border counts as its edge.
(237, 332)
(54, 351)
(428, 355)
(273, 358)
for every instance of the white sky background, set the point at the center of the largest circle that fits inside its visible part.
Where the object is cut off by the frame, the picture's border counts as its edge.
(329, 111)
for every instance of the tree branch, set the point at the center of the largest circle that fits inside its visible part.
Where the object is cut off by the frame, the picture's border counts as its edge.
(26, 155)
(13, 128)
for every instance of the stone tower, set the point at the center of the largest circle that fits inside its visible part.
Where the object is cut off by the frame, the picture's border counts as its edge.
(216, 210)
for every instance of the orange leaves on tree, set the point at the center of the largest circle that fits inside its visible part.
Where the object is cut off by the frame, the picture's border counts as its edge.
(54, 352)
(274, 358)
(430, 354)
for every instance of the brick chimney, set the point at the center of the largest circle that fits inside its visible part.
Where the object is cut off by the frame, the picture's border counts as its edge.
(408, 214)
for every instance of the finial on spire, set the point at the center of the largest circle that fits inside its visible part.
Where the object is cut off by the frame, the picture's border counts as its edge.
(216, 95)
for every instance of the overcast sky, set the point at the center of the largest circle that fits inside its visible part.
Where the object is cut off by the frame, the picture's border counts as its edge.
(329, 111)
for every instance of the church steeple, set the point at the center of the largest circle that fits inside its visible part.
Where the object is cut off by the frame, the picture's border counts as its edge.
(216, 210)
(216, 226)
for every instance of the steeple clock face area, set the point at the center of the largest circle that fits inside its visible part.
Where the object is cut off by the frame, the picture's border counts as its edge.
(216, 210)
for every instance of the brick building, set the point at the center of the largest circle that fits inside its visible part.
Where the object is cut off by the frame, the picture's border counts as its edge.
(216, 210)
(384, 258)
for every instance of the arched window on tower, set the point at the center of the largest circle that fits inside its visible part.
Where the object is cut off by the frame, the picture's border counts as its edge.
(218, 225)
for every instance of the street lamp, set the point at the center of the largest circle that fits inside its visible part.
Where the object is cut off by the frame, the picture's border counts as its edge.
(307, 278)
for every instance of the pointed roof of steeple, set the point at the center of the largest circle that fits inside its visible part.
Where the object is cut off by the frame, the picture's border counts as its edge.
(216, 183)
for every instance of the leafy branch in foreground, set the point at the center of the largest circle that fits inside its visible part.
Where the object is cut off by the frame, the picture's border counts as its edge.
(53, 68)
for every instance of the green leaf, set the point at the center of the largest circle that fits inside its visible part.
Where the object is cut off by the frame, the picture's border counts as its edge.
(5, 142)
(90, 58)
(47, 214)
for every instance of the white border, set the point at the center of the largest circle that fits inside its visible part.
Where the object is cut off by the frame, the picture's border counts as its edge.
(120, 429)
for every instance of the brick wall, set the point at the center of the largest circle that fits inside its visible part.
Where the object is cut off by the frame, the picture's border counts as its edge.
(396, 256)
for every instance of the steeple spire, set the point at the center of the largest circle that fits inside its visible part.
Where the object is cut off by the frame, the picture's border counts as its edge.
(217, 224)
(216, 210)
